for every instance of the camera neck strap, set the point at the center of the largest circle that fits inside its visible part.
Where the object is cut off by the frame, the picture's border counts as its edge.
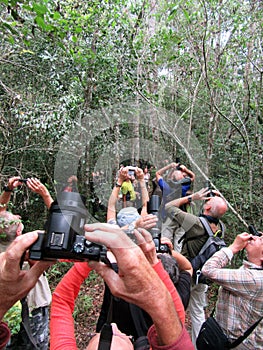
(105, 337)
(26, 323)
(106, 332)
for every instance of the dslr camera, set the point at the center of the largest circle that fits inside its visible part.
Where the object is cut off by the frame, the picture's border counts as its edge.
(23, 180)
(64, 233)
(153, 208)
(211, 193)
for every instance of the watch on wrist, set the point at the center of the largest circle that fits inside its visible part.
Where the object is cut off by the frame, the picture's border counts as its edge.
(189, 199)
(117, 185)
(7, 189)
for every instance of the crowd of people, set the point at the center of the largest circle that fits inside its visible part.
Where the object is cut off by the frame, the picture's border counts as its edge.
(148, 290)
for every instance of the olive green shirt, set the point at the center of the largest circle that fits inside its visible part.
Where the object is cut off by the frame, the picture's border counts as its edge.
(195, 234)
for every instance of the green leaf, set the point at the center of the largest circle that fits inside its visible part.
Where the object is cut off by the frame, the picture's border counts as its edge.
(40, 9)
(56, 15)
(40, 22)
(187, 16)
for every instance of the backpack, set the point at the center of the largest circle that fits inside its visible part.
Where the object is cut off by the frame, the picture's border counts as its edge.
(129, 318)
(211, 246)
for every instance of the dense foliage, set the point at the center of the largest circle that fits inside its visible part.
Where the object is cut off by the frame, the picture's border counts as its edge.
(147, 80)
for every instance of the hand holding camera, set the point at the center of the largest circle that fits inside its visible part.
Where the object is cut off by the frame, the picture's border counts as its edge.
(64, 233)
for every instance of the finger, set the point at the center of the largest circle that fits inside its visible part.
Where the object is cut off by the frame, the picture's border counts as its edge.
(21, 244)
(37, 270)
(113, 238)
(139, 237)
(12, 257)
(112, 279)
(145, 234)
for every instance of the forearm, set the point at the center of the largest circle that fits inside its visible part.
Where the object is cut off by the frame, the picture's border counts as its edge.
(144, 211)
(190, 173)
(111, 211)
(4, 335)
(178, 202)
(48, 200)
(4, 200)
(145, 194)
(183, 263)
(166, 321)
(162, 170)
(184, 200)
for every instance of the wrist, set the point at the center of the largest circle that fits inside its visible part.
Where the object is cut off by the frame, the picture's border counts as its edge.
(233, 248)
(189, 199)
(7, 188)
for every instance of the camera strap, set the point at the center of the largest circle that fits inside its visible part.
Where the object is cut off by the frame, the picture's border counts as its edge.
(25, 322)
(105, 337)
(106, 331)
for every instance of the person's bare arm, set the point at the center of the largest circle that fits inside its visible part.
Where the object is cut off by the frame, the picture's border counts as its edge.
(160, 172)
(183, 263)
(111, 211)
(188, 172)
(36, 186)
(200, 195)
(144, 191)
(13, 182)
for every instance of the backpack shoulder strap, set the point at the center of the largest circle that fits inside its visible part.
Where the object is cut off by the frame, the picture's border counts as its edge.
(208, 229)
(206, 226)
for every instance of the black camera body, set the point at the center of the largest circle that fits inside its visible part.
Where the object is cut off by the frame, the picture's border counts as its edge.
(23, 180)
(153, 208)
(64, 233)
(253, 231)
(211, 193)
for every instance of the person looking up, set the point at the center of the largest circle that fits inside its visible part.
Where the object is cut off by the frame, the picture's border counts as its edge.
(240, 296)
(38, 300)
(177, 184)
(194, 238)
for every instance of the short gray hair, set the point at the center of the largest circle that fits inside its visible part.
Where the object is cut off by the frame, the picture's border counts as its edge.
(8, 227)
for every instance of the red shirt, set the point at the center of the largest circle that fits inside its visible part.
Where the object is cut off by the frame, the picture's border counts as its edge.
(62, 323)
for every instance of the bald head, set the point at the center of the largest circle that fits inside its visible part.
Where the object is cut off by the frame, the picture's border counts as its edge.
(120, 341)
(215, 207)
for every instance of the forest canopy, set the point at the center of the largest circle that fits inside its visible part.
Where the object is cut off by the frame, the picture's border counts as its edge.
(87, 85)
